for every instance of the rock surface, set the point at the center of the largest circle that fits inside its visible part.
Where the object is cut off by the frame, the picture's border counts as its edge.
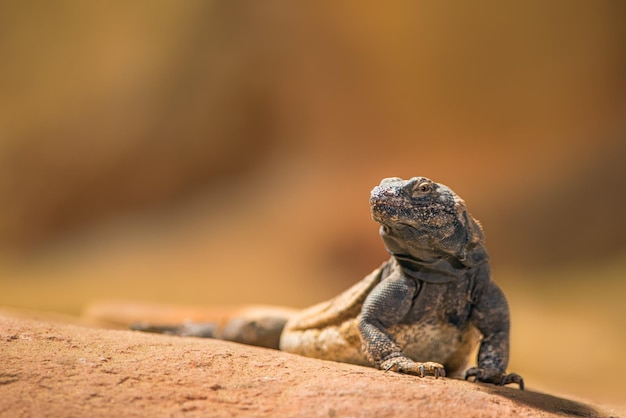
(49, 369)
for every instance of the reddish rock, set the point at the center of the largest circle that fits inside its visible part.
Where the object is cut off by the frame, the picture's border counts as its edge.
(67, 370)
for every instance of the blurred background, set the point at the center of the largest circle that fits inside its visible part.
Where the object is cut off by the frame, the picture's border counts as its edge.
(219, 152)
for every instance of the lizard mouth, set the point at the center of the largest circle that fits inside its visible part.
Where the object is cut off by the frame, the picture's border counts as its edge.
(387, 213)
(385, 196)
(397, 202)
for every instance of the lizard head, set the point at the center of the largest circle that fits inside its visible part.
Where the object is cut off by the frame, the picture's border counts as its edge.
(423, 219)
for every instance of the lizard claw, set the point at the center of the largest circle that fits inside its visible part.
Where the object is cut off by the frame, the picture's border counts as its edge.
(513, 378)
(422, 370)
(474, 372)
(501, 379)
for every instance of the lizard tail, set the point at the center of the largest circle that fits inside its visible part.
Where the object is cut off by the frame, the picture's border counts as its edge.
(186, 329)
(253, 325)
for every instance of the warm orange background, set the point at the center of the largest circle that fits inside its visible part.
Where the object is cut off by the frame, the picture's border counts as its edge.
(215, 152)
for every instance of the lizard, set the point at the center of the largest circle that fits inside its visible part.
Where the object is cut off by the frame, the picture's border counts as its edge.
(424, 311)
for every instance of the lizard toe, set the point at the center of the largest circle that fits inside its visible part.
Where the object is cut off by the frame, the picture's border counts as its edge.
(408, 366)
(513, 378)
(497, 378)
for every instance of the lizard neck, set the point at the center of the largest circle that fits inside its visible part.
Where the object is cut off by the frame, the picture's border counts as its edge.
(441, 270)
(437, 271)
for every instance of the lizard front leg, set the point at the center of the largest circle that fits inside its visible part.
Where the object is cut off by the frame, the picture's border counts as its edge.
(491, 316)
(385, 306)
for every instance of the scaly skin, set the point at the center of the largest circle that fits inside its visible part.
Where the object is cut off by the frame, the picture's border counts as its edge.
(422, 312)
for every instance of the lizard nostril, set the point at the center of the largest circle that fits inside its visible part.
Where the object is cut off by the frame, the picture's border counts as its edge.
(392, 192)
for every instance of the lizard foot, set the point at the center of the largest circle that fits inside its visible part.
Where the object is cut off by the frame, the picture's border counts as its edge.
(497, 378)
(408, 366)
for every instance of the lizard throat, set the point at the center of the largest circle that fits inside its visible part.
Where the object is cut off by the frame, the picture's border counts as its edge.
(443, 270)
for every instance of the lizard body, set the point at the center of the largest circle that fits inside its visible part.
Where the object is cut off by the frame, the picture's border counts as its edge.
(424, 311)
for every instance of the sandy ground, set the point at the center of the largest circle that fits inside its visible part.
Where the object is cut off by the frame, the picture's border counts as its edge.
(55, 369)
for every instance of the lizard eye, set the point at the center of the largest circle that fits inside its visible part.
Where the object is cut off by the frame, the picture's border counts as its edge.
(423, 188)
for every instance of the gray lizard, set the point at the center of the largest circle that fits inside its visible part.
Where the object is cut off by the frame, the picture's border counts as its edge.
(423, 312)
